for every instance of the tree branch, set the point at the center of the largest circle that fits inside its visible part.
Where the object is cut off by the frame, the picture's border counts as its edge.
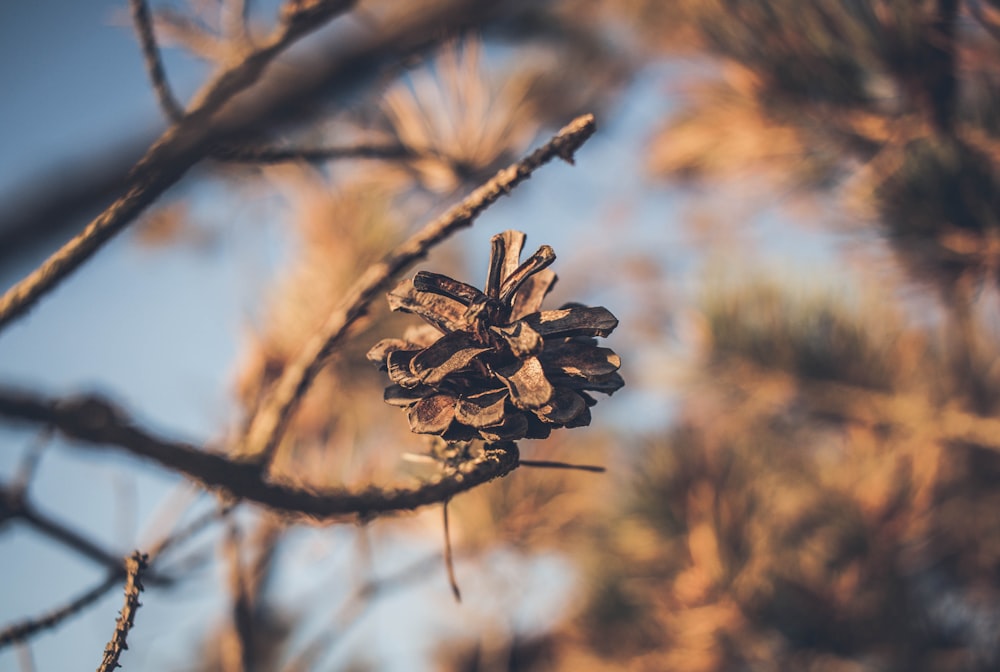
(50, 204)
(267, 155)
(269, 423)
(94, 421)
(550, 464)
(136, 565)
(154, 64)
(449, 561)
(13, 504)
(19, 632)
(179, 148)
(190, 530)
(237, 649)
(354, 607)
(22, 631)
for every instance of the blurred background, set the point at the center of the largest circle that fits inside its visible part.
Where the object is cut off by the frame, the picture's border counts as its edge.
(793, 209)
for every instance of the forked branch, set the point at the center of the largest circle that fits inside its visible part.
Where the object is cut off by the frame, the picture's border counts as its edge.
(154, 63)
(23, 630)
(14, 504)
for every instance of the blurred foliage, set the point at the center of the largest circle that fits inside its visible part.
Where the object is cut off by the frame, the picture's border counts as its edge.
(808, 336)
(341, 232)
(522, 654)
(793, 519)
(901, 94)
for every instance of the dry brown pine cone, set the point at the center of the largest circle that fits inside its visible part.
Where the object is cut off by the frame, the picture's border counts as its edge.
(493, 365)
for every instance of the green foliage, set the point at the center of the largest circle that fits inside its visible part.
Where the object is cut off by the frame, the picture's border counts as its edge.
(809, 336)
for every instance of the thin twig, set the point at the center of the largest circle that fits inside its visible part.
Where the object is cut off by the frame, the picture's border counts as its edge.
(24, 630)
(135, 566)
(449, 561)
(237, 649)
(66, 536)
(97, 423)
(24, 658)
(550, 464)
(193, 528)
(268, 155)
(268, 425)
(264, 543)
(180, 147)
(349, 613)
(154, 63)
(15, 505)
(250, 566)
(19, 632)
(28, 466)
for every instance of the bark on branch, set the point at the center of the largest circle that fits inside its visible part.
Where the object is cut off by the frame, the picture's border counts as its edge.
(135, 565)
(96, 422)
(24, 630)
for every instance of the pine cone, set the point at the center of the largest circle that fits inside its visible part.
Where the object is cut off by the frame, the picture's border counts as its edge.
(493, 365)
